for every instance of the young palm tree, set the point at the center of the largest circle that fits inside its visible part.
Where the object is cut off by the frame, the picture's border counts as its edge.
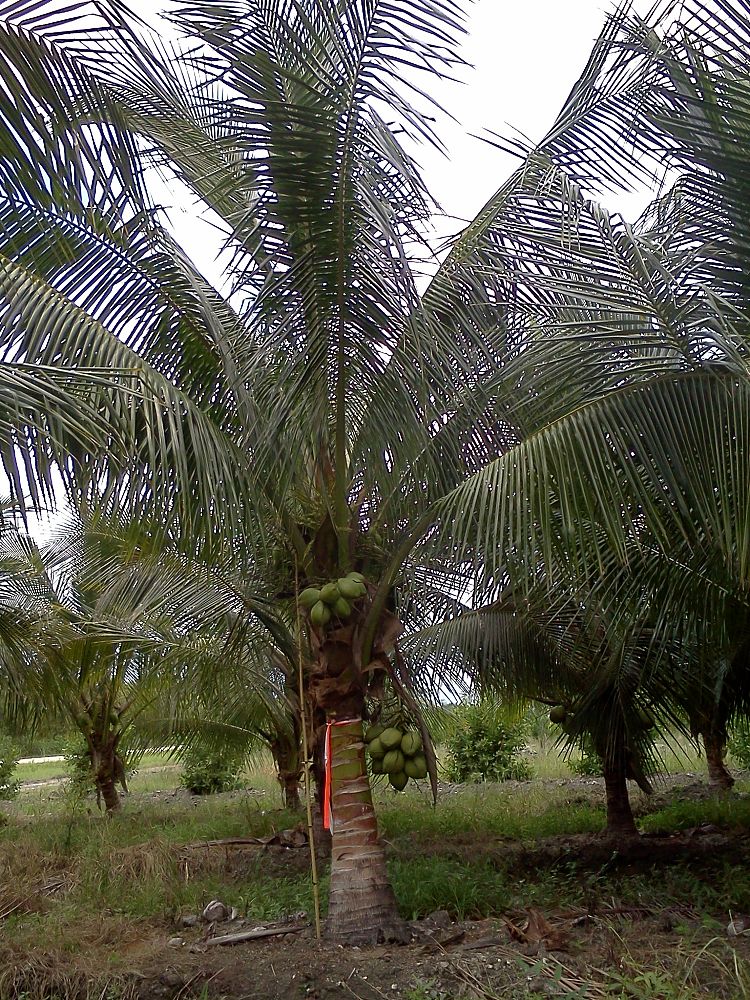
(275, 122)
(122, 623)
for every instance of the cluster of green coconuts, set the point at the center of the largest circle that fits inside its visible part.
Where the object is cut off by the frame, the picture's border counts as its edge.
(562, 717)
(397, 753)
(333, 600)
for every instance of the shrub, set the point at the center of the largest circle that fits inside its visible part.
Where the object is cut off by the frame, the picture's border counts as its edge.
(739, 744)
(485, 745)
(588, 765)
(207, 770)
(8, 759)
(78, 766)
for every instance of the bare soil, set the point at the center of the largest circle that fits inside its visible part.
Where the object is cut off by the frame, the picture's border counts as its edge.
(556, 952)
(543, 954)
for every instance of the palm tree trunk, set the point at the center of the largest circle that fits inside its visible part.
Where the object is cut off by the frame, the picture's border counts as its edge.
(362, 907)
(316, 740)
(290, 791)
(103, 757)
(288, 770)
(715, 747)
(105, 787)
(620, 822)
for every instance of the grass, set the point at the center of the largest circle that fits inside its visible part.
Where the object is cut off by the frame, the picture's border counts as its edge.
(59, 769)
(111, 879)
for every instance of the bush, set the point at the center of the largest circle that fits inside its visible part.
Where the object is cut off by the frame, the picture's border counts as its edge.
(485, 745)
(739, 744)
(78, 766)
(206, 771)
(8, 759)
(589, 765)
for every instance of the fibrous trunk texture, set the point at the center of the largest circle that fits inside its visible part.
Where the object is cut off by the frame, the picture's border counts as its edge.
(715, 746)
(362, 907)
(103, 761)
(108, 769)
(286, 756)
(620, 820)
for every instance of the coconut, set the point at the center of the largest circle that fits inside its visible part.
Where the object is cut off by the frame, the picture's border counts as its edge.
(393, 762)
(411, 743)
(375, 748)
(320, 615)
(330, 593)
(372, 733)
(416, 767)
(376, 765)
(644, 718)
(558, 714)
(342, 608)
(352, 590)
(309, 597)
(399, 781)
(391, 738)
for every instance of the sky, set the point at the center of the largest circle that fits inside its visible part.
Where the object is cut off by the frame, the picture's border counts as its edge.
(525, 57)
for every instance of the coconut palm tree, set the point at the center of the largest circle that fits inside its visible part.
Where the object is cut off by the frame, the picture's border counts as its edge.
(275, 122)
(318, 416)
(122, 624)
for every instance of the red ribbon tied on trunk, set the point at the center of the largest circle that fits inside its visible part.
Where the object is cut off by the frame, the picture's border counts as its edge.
(327, 810)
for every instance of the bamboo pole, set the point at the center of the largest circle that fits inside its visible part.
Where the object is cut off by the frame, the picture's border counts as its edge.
(306, 759)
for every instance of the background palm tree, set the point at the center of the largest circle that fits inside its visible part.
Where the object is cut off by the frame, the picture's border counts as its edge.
(123, 625)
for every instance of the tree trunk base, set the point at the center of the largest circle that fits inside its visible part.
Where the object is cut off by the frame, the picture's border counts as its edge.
(620, 821)
(362, 908)
(719, 777)
(365, 923)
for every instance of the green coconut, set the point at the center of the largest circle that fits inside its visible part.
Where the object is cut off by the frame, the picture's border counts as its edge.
(376, 765)
(373, 732)
(393, 762)
(330, 593)
(309, 597)
(411, 743)
(320, 614)
(375, 748)
(416, 767)
(342, 609)
(569, 727)
(645, 719)
(558, 714)
(399, 780)
(391, 738)
(355, 576)
(352, 590)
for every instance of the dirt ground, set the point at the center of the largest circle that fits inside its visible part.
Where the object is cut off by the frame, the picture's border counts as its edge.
(554, 952)
(522, 954)
(530, 953)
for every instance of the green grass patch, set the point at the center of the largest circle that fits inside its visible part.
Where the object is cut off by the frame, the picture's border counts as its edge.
(528, 812)
(725, 812)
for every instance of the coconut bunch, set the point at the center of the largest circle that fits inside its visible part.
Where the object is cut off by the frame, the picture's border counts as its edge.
(334, 600)
(561, 715)
(397, 752)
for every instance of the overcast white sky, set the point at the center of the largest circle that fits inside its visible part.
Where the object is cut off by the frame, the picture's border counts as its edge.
(525, 55)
